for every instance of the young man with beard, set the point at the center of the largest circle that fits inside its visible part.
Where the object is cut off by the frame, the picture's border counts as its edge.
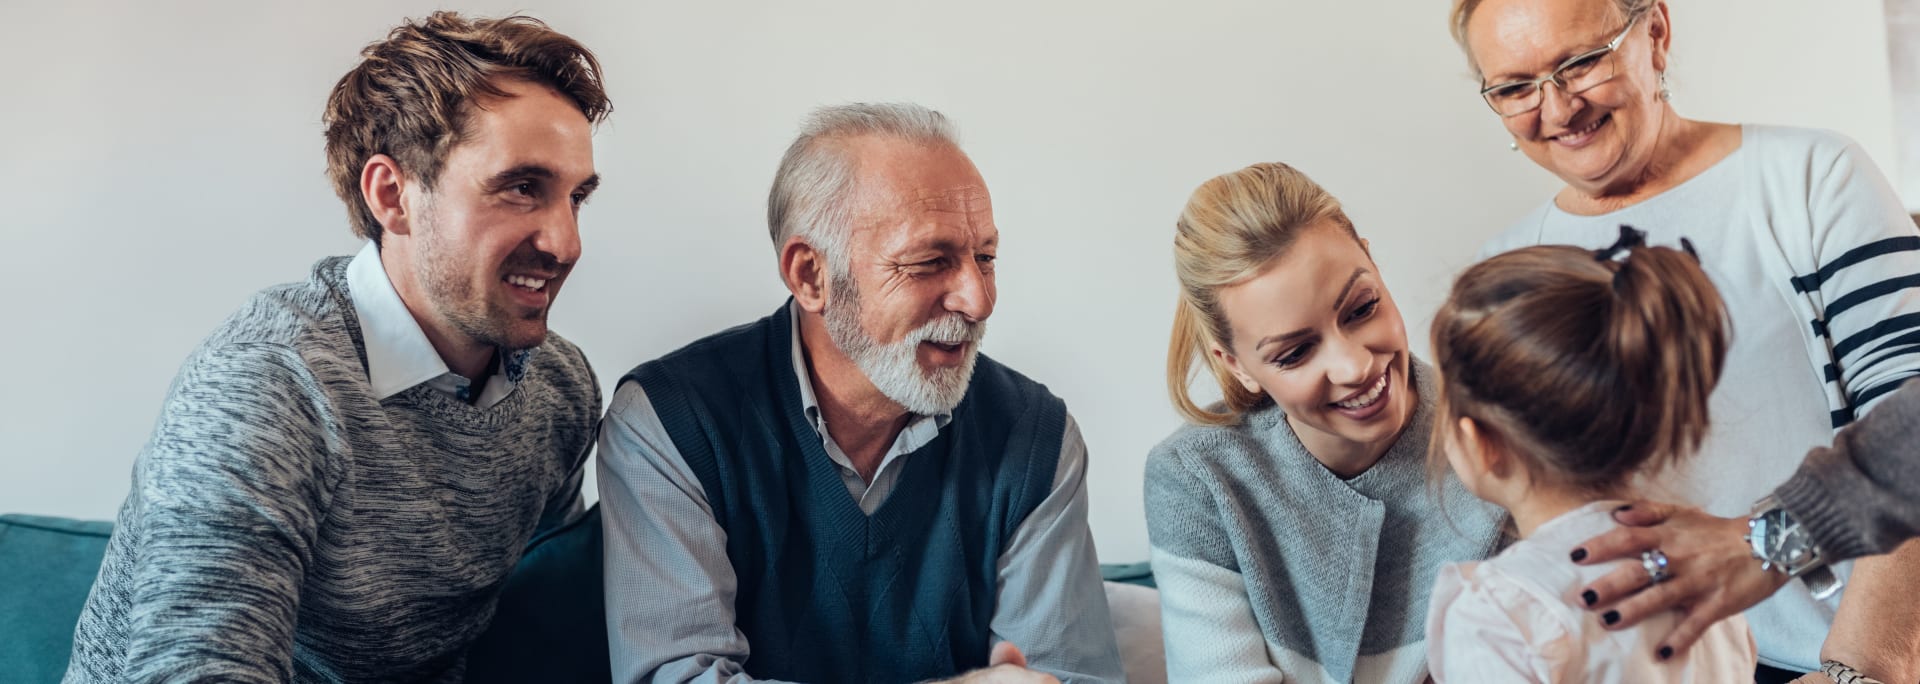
(345, 471)
(845, 491)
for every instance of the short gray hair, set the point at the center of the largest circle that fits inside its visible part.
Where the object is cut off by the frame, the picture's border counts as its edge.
(812, 188)
(1463, 12)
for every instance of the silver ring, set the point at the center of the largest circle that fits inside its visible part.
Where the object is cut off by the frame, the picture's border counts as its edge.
(1656, 564)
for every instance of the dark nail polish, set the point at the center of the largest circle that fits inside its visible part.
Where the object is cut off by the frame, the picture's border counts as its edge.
(1666, 652)
(1624, 508)
(1578, 555)
(1611, 617)
(1589, 596)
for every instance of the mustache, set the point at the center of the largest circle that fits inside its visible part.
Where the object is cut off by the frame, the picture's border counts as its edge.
(949, 329)
(527, 258)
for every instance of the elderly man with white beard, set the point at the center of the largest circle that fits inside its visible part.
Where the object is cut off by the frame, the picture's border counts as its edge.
(846, 490)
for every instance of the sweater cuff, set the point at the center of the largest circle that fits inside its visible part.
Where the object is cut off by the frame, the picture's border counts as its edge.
(1810, 497)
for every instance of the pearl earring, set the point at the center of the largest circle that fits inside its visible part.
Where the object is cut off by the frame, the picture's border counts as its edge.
(1665, 92)
(1513, 146)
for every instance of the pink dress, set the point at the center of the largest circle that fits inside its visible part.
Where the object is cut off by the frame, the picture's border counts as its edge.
(1518, 617)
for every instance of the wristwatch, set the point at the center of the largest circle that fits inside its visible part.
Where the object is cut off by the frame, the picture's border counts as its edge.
(1783, 546)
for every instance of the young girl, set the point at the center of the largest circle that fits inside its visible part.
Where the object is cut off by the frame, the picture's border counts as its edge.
(1566, 374)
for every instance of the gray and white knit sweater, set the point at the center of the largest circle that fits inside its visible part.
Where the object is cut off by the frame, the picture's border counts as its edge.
(1272, 568)
(285, 526)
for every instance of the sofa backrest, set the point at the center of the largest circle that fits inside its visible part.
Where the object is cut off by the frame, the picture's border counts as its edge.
(47, 566)
(550, 626)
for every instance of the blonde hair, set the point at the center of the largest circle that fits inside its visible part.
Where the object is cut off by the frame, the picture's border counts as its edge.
(1589, 368)
(1463, 13)
(1233, 227)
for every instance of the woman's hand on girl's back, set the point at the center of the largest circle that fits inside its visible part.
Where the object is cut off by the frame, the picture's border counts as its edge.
(1711, 571)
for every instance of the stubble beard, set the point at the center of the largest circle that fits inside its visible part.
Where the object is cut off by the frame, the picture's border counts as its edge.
(452, 294)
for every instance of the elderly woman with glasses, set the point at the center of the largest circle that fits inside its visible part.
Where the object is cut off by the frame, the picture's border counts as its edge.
(1820, 267)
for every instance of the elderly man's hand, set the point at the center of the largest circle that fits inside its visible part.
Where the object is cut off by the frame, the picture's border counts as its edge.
(1712, 573)
(1006, 665)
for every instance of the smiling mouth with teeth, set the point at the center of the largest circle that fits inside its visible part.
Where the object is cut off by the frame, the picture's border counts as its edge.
(530, 283)
(1583, 130)
(1372, 394)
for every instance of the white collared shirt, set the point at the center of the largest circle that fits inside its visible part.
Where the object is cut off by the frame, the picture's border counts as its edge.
(399, 356)
(920, 430)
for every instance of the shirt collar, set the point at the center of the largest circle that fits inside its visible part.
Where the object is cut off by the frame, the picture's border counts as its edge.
(399, 356)
(919, 431)
(398, 353)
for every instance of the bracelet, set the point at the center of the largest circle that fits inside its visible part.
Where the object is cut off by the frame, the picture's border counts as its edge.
(1840, 673)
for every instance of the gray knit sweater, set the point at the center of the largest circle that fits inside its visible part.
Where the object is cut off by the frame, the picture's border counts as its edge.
(284, 525)
(1861, 496)
(1270, 566)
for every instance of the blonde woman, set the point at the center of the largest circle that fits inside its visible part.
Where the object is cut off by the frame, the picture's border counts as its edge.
(1295, 535)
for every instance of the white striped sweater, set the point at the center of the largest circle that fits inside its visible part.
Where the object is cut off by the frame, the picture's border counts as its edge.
(1819, 264)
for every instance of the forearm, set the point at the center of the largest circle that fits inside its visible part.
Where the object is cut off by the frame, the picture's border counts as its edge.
(214, 591)
(1206, 616)
(1877, 629)
(1209, 628)
(1051, 603)
(211, 621)
(1861, 496)
(229, 498)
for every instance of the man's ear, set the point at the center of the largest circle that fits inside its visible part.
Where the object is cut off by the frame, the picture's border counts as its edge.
(1232, 364)
(384, 188)
(804, 270)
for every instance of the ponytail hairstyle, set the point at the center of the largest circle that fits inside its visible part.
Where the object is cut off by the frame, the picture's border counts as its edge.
(1233, 227)
(1589, 366)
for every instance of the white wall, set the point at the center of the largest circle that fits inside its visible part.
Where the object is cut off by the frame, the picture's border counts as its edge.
(1903, 57)
(158, 164)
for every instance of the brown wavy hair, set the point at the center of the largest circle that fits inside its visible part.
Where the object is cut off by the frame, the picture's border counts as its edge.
(1589, 368)
(410, 96)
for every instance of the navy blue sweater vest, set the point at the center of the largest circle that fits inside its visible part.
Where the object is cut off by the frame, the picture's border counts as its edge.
(826, 592)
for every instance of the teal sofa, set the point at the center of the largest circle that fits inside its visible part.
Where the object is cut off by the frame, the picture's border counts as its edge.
(46, 567)
(550, 625)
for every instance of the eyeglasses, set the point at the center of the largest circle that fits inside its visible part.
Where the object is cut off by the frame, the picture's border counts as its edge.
(1574, 76)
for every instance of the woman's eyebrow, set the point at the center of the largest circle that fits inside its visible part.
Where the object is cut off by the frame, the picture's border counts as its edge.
(1348, 288)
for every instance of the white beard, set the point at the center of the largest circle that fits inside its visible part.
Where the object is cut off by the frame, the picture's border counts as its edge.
(895, 368)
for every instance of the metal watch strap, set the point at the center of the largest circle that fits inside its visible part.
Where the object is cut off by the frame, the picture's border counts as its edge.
(1821, 582)
(1841, 674)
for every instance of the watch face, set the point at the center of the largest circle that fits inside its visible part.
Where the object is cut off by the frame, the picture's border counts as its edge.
(1786, 544)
